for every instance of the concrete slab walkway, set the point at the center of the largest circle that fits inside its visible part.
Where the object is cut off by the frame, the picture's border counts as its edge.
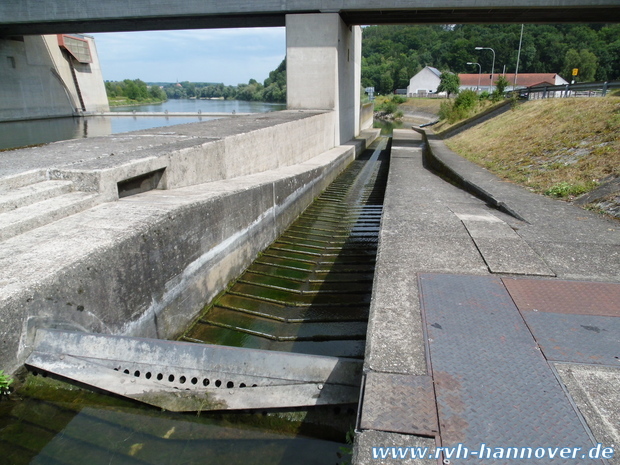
(485, 327)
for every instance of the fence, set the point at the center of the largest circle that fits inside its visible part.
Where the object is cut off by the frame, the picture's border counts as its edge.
(592, 89)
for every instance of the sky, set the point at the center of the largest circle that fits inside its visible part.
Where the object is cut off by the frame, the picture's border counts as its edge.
(230, 56)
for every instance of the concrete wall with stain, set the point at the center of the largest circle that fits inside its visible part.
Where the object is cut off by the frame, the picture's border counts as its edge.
(145, 265)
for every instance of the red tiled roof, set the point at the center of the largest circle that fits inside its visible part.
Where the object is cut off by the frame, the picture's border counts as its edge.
(523, 79)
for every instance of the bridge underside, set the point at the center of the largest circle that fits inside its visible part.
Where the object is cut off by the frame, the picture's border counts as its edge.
(115, 16)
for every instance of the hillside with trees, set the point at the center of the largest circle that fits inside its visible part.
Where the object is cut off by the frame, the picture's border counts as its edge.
(391, 55)
(129, 92)
(273, 89)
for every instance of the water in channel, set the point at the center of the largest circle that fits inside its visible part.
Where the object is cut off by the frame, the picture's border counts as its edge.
(309, 292)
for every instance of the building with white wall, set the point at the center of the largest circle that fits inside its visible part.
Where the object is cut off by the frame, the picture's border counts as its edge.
(424, 83)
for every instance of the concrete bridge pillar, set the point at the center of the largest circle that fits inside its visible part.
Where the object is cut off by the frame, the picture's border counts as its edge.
(323, 68)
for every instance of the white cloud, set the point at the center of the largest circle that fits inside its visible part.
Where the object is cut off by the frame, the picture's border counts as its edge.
(231, 56)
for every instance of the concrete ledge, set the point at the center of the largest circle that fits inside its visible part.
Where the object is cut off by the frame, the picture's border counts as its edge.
(481, 117)
(189, 154)
(465, 174)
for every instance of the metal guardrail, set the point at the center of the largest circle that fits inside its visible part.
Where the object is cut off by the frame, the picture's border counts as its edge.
(570, 90)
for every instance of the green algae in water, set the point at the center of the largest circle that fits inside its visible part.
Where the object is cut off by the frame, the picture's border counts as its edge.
(51, 422)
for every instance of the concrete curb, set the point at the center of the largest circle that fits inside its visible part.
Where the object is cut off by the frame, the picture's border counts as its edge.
(465, 174)
(487, 114)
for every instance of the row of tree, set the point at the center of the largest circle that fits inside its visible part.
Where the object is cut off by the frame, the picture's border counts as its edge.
(136, 90)
(391, 55)
(273, 89)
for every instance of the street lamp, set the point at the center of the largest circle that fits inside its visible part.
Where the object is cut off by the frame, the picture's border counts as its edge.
(493, 67)
(479, 73)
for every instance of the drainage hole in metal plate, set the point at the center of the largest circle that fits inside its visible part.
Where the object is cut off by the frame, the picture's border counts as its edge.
(136, 374)
(230, 384)
(242, 385)
(206, 382)
(160, 376)
(126, 371)
(171, 378)
(148, 375)
(194, 380)
(218, 383)
(182, 379)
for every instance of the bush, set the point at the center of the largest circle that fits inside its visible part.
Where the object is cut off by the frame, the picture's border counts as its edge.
(387, 106)
(484, 95)
(5, 383)
(398, 99)
(467, 99)
(460, 108)
(565, 189)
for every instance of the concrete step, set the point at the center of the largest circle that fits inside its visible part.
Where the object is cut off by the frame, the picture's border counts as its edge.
(33, 193)
(26, 218)
(16, 181)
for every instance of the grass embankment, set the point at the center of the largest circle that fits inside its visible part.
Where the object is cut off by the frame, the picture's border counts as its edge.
(422, 105)
(559, 147)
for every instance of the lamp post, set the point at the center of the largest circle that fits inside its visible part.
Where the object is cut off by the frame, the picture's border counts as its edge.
(479, 73)
(493, 67)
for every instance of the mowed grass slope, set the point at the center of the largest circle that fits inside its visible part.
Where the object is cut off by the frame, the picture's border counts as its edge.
(561, 147)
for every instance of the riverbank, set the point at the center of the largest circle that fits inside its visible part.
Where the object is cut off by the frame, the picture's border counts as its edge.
(116, 102)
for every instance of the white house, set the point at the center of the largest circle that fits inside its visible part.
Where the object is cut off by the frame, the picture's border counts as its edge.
(423, 83)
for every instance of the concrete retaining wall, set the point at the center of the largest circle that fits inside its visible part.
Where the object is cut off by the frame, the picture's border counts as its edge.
(367, 115)
(190, 155)
(145, 265)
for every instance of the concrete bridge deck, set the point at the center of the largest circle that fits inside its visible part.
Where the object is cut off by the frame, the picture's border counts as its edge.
(485, 328)
(115, 15)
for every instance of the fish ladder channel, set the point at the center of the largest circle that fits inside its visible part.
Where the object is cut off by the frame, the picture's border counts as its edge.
(309, 292)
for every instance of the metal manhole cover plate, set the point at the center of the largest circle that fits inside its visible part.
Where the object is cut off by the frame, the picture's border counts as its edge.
(546, 295)
(589, 339)
(399, 403)
(492, 383)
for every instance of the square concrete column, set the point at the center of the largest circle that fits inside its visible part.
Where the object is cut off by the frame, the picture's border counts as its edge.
(323, 69)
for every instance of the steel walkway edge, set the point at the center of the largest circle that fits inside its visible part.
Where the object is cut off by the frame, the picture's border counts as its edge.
(183, 377)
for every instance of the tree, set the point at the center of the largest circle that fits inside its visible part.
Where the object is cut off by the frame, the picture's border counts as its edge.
(449, 83)
(585, 61)
(398, 50)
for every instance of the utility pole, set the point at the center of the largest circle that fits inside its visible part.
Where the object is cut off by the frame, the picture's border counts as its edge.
(518, 57)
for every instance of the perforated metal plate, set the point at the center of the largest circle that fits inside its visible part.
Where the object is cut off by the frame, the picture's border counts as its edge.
(399, 403)
(545, 295)
(493, 385)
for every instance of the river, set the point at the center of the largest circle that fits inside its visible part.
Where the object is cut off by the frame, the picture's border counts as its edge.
(23, 133)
